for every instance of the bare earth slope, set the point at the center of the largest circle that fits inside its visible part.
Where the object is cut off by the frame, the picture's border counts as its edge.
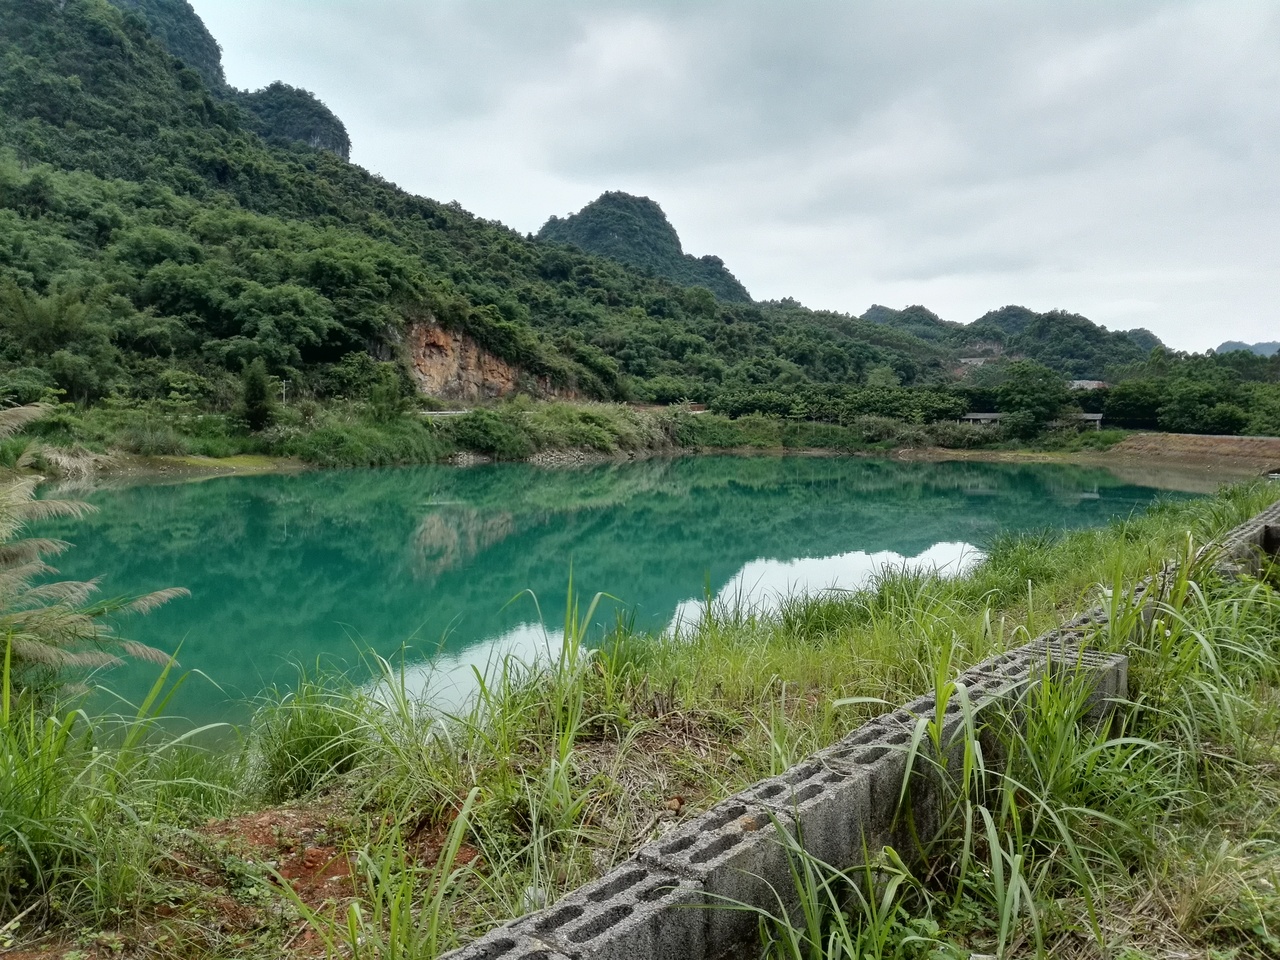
(1243, 453)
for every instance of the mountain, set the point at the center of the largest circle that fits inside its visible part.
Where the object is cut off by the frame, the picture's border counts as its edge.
(1073, 345)
(180, 30)
(1267, 349)
(916, 320)
(635, 231)
(283, 114)
(152, 242)
(155, 237)
(279, 113)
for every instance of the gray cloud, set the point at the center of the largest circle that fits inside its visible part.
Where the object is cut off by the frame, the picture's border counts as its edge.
(1117, 160)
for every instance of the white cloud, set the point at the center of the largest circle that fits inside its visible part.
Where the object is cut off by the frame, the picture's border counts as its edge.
(1116, 160)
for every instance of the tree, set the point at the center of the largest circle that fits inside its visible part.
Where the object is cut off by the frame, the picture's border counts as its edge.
(1135, 403)
(1031, 395)
(883, 375)
(386, 396)
(257, 408)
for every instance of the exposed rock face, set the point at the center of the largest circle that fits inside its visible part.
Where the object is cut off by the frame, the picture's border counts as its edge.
(449, 364)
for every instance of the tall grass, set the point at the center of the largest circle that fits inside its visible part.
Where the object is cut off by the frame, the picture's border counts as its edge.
(558, 768)
(85, 803)
(1088, 829)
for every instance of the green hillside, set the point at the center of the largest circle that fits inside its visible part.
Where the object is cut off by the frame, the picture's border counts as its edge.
(1067, 342)
(180, 30)
(281, 114)
(1268, 349)
(637, 232)
(155, 238)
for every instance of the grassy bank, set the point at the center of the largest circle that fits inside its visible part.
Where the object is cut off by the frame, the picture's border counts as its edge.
(361, 434)
(406, 832)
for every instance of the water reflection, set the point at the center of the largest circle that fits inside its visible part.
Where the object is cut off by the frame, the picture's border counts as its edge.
(446, 681)
(761, 585)
(294, 569)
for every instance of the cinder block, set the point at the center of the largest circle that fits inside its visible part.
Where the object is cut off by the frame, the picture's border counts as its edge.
(910, 826)
(1105, 675)
(636, 911)
(829, 802)
(735, 851)
(505, 943)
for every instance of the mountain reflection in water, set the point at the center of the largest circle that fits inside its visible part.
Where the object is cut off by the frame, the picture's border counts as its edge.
(444, 563)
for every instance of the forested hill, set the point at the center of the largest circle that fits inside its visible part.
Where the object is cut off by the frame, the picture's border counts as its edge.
(1071, 344)
(151, 244)
(637, 232)
(278, 112)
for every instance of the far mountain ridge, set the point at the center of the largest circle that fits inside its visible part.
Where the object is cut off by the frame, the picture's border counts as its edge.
(636, 231)
(1266, 349)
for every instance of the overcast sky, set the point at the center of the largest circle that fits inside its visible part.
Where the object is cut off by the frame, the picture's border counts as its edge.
(1115, 159)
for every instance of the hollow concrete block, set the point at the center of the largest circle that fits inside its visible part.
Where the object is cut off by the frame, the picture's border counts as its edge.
(735, 851)
(830, 804)
(505, 943)
(635, 912)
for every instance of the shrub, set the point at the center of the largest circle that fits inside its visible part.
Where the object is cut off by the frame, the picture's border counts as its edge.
(304, 739)
(153, 440)
(960, 436)
(256, 407)
(354, 443)
(484, 431)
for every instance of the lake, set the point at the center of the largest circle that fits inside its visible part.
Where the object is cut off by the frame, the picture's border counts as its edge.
(445, 563)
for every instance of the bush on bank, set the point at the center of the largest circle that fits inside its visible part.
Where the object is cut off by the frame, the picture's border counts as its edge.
(366, 434)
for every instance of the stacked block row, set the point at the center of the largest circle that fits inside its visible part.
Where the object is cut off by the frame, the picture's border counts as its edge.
(681, 895)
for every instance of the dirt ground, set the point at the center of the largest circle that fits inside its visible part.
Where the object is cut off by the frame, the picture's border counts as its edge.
(1166, 461)
(1253, 454)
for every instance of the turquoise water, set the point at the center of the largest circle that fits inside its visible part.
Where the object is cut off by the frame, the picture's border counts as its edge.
(445, 563)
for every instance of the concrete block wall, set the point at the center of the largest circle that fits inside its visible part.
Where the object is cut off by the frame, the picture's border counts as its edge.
(1251, 543)
(671, 901)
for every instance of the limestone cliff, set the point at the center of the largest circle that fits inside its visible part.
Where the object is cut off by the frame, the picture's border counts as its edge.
(451, 365)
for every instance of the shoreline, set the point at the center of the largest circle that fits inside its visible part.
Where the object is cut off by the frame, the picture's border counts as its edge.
(1162, 460)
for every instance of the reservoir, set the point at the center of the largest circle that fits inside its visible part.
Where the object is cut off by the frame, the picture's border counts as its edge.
(447, 568)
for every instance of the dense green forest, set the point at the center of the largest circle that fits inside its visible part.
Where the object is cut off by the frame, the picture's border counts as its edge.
(163, 238)
(157, 241)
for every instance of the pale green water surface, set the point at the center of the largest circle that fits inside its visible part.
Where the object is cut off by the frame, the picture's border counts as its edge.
(292, 569)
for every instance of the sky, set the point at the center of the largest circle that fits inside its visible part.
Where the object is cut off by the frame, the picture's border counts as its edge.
(1115, 159)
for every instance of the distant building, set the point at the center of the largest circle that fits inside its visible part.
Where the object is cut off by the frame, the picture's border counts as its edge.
(973, 361)
(993, 419)
(1087, 384)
